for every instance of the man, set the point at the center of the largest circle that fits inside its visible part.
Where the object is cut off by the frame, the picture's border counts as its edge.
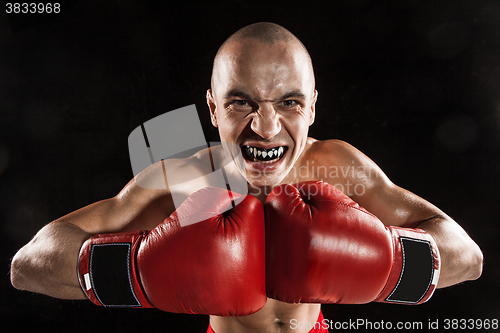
(262, 100)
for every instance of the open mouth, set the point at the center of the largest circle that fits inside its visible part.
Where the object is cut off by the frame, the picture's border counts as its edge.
(256, 154)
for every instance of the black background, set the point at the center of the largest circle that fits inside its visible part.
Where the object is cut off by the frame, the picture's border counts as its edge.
(414, 84)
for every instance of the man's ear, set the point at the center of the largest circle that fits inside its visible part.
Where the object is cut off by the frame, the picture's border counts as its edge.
(313, 107)
(212, 107)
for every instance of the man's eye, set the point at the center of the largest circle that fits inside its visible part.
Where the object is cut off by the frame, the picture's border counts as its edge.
(290, 102)
(240, 102)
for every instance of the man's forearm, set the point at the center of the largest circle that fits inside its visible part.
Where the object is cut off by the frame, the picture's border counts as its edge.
(461, 257)
(48, 263)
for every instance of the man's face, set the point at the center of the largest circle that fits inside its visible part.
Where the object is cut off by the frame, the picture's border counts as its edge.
(263, 101)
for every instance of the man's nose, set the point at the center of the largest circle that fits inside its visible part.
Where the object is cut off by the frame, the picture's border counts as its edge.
(266, 122)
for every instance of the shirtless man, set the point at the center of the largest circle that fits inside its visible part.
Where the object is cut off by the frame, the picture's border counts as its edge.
(262, 97)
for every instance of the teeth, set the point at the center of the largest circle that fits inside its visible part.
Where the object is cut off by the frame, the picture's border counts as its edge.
(265, 155)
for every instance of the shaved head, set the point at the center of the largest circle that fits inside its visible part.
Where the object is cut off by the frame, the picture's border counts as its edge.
(266, 33)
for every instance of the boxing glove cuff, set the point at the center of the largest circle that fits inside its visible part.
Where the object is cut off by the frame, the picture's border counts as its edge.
(107, 270)
(415, 269)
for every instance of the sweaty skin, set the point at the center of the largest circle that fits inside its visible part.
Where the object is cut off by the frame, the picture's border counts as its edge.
(262, 100)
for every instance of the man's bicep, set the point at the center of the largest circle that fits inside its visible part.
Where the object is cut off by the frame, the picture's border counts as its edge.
(143, 203)
(375, 192)
(134, 208)
(396, 206)
(94, 218)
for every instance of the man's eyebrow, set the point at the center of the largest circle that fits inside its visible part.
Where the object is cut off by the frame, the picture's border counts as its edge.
(294, 93)
(236, 93)
(239, 93)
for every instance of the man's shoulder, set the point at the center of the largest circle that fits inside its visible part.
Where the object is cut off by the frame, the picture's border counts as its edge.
(332, 148)
(341, 163)
(166, 173)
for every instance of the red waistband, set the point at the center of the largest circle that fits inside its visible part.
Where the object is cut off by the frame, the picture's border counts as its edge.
(318, 327)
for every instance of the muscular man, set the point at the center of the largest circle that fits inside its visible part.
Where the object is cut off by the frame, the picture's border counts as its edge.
(262, 100)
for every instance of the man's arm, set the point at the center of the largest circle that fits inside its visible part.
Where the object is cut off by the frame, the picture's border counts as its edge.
(461, 257)
(48, 263)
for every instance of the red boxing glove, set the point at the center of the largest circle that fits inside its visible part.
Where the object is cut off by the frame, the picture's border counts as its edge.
(202, 259)
(322, 247)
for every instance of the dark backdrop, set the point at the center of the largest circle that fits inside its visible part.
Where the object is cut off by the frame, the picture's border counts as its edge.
(414, 84)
